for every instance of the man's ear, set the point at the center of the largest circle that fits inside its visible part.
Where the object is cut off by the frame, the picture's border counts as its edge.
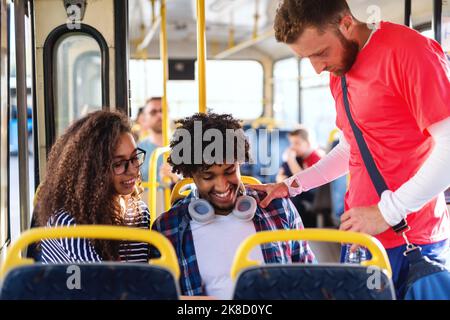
(346, 26)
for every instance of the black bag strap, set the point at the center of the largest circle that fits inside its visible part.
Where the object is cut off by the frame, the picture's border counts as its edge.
(375, 175)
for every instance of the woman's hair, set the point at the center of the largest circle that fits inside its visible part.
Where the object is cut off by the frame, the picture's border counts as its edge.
(79, 176)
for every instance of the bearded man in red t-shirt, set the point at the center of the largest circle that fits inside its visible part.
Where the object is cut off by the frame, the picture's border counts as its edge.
(399, 97)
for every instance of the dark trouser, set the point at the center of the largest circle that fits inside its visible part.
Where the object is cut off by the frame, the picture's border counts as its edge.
(438, 251)
(303, 203)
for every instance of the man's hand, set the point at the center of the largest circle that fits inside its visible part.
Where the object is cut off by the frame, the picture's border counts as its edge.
(273, 190)
(291, 154)
(364, 219)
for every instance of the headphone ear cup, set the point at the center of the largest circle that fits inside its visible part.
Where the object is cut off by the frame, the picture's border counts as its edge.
(201, 211)
(245, 208)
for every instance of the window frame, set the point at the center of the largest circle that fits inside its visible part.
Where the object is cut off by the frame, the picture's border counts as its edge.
(51, 42)
(299, 100)
(4, 122)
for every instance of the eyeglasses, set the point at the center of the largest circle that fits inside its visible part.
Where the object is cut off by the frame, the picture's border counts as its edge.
(120, 167)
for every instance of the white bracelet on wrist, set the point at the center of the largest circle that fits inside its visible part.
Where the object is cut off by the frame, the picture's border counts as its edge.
(293, 191)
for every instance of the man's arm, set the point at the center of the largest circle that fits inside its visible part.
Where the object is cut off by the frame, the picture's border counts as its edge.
(430, 180)
(329, 168)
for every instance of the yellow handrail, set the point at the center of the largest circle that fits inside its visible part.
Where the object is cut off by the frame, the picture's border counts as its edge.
(379, 255)
(168, 257)
(177, 194)
(332, 136)
(270, 123)
(201, 56)
(36, 196)
(250, 180)
(152, 183)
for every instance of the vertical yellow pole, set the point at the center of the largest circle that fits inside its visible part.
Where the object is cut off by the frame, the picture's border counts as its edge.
(153, 11)
(231, 42)
(231, 37)
(201, 56)
(165, 110)
(165, 64)
(256, 20)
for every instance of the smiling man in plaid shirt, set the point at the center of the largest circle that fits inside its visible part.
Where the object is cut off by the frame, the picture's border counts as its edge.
(206, 250)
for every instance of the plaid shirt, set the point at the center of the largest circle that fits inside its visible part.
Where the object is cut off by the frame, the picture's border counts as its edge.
(279, 215)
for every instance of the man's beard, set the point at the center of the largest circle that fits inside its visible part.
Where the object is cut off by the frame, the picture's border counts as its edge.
(351, 49)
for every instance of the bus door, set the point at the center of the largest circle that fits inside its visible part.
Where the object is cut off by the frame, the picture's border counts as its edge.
(81, 59)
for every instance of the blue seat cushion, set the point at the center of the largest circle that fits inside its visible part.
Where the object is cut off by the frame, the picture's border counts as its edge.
(314, 282)
(105, 281)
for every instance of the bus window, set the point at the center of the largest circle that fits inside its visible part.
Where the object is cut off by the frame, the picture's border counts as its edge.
(318, 111)
(14, 183)
(78, 82)
(241, 96)
(4, 221)
(286, 91)
(235, 87)
(446, 29)
(421, 16)
(428, 33)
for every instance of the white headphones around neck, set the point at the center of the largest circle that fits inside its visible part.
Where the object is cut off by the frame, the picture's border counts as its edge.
(202, 211)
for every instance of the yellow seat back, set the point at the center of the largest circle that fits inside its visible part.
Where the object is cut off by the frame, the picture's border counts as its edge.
(167, 260)
(152, 183)
(179, 191)
(379, 255)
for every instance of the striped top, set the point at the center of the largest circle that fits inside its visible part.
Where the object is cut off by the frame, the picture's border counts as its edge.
(68, 250)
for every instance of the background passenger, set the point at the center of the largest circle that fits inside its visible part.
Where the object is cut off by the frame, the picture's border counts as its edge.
(153, 118)
(299, 156)
(206, 249)
(139, 127)
(92, 179)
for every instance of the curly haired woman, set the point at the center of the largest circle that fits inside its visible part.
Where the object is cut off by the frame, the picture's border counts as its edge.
(93, 178)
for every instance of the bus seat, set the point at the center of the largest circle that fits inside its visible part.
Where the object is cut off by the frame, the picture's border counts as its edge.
(181, 188)
(274, 149)
(20, 278)
(152, 183)
(369, 281)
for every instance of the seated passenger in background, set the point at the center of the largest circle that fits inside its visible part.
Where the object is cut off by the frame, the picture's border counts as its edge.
(92, 178)
(207, 227)
(138, 126)
(153, 121)
(299, 156)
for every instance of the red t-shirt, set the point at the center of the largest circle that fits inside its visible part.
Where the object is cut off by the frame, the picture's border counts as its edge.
(398, 86)
(310, 160)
